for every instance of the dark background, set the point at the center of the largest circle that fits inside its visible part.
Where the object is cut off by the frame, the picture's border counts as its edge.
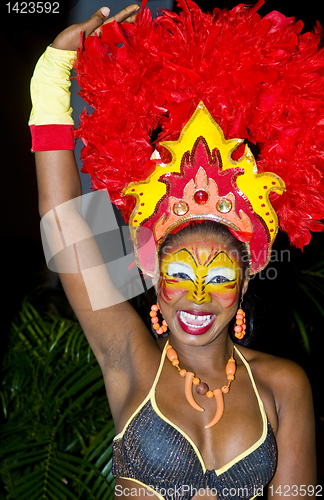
(23, 38)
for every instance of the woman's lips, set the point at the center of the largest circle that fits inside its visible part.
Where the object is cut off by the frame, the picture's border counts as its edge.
(195, 323)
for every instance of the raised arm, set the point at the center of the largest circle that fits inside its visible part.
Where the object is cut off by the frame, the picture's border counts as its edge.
(57, 173)
(108, 329)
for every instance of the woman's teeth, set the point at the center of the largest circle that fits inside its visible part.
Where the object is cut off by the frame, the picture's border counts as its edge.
(195, 321)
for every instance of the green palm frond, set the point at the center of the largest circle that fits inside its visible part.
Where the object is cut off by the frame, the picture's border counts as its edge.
(57, 429)
(302, 330)
(309, 309)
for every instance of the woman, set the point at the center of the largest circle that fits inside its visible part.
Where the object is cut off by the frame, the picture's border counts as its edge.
(170, 442)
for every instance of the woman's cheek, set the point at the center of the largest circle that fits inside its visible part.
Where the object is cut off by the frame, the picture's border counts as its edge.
(170, 290)
(227, 294)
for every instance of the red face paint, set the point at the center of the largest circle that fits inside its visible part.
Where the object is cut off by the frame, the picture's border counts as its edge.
(200, 270)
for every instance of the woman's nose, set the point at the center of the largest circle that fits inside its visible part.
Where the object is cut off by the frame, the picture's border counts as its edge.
(198, 293)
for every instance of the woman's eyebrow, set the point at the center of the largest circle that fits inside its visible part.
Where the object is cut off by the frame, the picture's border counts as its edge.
(222, 251)
(186, 250)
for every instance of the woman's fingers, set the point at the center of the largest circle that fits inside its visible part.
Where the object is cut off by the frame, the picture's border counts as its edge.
(126, 15)
(95, 21)
(123, 14)
(69, 39)
(131, 19)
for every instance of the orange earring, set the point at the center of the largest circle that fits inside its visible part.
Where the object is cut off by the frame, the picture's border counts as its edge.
(240, 327)
(155, 320)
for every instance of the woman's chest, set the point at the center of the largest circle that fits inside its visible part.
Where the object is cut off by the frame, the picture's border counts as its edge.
(242, 426)
(154, 451)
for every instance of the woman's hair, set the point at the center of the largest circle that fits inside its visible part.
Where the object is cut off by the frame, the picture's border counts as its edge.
(211, 228)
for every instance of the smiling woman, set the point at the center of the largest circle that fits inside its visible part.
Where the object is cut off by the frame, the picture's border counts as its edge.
(199, 268)
(202, 261)
(212, 212)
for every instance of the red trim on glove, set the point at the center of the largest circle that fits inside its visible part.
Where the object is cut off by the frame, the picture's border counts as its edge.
(51, 137)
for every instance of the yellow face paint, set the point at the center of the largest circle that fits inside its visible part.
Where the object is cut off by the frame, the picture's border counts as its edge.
(201, 270)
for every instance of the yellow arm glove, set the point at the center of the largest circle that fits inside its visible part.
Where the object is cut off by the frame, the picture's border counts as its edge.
(50, 120)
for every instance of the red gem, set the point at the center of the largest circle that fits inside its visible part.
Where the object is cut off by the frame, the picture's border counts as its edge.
(201, 197)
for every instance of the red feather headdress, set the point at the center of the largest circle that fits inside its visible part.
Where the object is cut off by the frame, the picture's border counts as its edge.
(260, 79)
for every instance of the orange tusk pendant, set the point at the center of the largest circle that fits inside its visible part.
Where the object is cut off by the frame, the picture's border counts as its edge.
(219, 408)
(202, 388)
(188, 392)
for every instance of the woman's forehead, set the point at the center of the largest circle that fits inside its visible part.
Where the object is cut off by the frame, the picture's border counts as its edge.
(202, 252)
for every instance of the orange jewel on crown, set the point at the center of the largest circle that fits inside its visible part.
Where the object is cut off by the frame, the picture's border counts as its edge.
(201, 198)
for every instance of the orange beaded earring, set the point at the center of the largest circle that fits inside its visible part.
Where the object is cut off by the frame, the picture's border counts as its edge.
(240, 327)
(155, 320)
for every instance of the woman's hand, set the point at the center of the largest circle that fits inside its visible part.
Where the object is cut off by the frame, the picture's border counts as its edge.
(69, 39)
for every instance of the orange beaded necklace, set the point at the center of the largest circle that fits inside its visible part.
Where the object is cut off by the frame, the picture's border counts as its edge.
(203, 388)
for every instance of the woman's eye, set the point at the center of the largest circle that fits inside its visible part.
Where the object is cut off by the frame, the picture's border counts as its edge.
(180, 271)
(219, 280)
(181, 276)
(221, 275)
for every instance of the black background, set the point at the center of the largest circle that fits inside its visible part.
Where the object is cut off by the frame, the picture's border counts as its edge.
(23, 38)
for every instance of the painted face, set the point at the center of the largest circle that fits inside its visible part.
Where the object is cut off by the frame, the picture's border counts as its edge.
(200, 270)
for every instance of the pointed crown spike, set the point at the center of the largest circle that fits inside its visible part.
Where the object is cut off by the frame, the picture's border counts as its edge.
(203, 181)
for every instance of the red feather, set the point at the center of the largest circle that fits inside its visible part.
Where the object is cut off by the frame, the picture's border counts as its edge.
(261, 79)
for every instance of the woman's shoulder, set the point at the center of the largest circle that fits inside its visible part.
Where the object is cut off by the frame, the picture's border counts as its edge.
(282, 376)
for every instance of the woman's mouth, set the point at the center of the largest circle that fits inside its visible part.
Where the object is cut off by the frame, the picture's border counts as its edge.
(195, 323)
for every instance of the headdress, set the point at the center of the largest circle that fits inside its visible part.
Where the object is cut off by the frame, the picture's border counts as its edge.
(175, 98)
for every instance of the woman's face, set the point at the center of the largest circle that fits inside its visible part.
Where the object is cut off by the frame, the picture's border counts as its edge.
(199, 288)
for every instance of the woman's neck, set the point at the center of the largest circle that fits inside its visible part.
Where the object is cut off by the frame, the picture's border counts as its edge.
(204, 358)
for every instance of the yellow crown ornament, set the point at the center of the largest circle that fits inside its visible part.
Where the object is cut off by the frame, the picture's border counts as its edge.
(204, 182)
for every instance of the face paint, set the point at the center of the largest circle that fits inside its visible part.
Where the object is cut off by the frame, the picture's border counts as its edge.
(200, 270)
